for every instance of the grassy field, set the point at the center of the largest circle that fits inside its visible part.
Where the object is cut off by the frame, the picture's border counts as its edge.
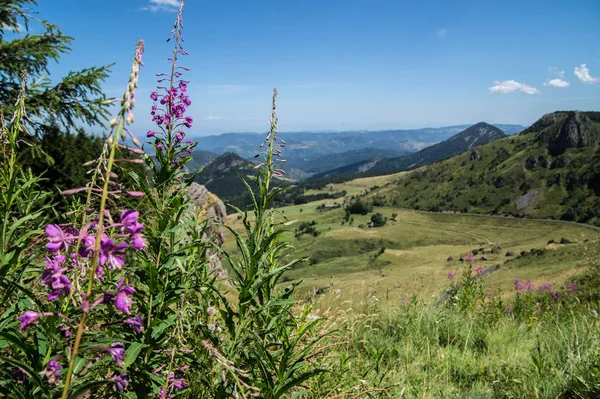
(359, 186)
(418, 245)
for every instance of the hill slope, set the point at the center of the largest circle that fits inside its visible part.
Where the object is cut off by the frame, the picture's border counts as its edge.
(551, 170)
(478, 134)
(220, 176)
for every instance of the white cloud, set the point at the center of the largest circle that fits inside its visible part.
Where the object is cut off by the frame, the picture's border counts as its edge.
(583, 74)
(557, 83)
(19, 28)
(508, 86)
(162, 5)
(441, 33)
(215, 118)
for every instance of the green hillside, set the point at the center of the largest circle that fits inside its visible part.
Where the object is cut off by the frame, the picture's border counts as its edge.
(221, 177)
(551, 170)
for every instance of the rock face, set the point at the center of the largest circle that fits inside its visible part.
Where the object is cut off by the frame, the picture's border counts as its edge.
(566, 129)
(213, 210)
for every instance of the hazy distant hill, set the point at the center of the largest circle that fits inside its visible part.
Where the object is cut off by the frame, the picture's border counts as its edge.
(550, 170)
(312, 152)
(478, 134)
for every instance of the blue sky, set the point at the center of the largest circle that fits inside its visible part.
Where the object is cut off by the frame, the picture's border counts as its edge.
(349, 64)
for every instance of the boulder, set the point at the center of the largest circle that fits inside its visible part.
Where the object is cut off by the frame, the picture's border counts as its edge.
(210, 208)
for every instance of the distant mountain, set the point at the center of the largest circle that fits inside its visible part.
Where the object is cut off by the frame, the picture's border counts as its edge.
(201, 158)
(305, 151)
(220, 176)
(478, 134)
(331, 161)
(550, 170)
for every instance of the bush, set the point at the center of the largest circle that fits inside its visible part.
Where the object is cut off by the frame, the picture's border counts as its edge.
(359, 207)
(378, 220)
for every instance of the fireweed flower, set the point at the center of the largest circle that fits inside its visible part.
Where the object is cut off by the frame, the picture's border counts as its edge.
(28, 318)
(479, 270)
(451, 275)
(57, 238)
(571, 287)
(52, 369)
(545, 287)
(137, 323)
(116, 351)
(131, 226)
(112, 254)
(54, 278)
(120, 381)
(123, 300)
(527, 286)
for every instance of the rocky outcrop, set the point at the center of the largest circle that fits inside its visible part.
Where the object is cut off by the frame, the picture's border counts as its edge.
(213, 210)
(566, 129)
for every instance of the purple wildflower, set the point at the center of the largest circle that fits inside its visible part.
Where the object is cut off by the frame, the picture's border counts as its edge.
(52, 369)
(164, 395)
(54, 278)
(112, 254)
(123, 301)
(451, 275)
(527, 286)
(153, 96)
(470, 258)
(554, 295)
(137, 323)
(129, 217)
(56, 237)
(177, 383)
(479, 270)
(19, 375)
(120, 381)
(28, 318)
(545, 287)
(571, 287)
(66, 331)
(116, 351)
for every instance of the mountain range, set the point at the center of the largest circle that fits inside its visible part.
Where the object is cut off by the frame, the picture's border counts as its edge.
(478, 134)
(310, 153)
(220, 173)
(550, 170)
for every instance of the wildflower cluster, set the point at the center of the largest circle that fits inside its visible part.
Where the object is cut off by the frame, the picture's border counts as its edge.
(469, 292)
(71, 261)
(170, 103)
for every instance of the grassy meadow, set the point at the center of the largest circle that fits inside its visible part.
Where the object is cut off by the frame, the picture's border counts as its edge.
(389, 339)
(418, 245)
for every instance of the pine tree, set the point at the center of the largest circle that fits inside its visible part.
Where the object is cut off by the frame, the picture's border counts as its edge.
(75, 97)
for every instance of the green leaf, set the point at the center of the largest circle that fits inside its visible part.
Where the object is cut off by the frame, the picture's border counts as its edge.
(132, 353)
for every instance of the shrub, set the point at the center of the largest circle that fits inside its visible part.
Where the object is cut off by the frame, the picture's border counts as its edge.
(378, 220)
